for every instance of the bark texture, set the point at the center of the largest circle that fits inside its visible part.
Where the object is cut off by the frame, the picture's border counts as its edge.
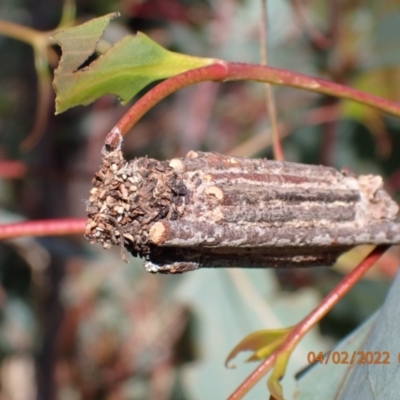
(211, 210)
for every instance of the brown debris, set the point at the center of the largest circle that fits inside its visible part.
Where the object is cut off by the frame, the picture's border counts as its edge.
(210, 210)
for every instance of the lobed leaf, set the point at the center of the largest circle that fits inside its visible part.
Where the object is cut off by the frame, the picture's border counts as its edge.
(123, 70)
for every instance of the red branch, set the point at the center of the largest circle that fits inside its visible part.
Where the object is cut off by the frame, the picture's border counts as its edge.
(55, 227)
(310, 320)
(12, 169)
(225, 71)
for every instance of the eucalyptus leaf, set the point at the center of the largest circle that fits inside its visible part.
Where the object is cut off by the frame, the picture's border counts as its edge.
(123, 70)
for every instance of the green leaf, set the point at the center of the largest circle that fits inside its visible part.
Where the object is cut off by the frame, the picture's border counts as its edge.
(262, 343)
(123, 70)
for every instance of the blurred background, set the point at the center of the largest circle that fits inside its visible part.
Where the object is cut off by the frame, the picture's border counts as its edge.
(76, 322)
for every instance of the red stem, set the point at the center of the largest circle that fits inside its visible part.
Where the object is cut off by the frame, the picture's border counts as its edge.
(225, 71)
(239, 71)
(12, 169)
(310, 320)
(55, 227)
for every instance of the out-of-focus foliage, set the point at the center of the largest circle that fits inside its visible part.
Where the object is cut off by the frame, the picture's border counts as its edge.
(76, 322)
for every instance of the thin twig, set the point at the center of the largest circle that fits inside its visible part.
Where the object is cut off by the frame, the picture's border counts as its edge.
(55, 227)
(20, 32)
(68, 14)
(10, 169)
(329, 131)
(269, 95)
(261, 140)
(44, 99)
(310, 321)
(40, 41)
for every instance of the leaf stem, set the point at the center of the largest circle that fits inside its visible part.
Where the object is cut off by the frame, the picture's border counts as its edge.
(68, 14)
(55, 227)
(310, 320)
(276, 76)
(225, 71)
